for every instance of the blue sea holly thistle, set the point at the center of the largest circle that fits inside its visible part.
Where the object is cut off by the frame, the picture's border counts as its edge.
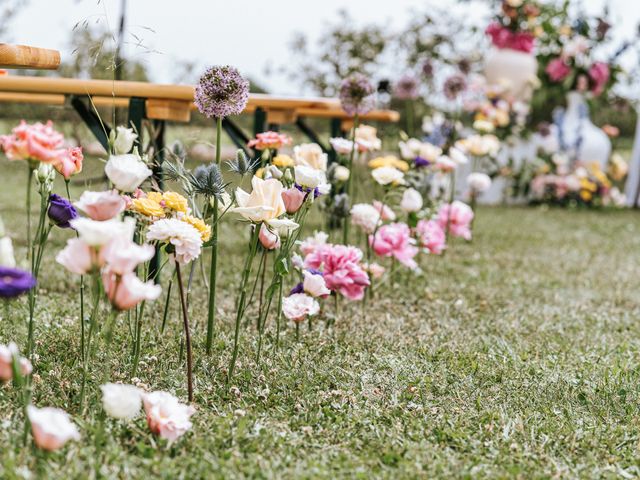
(221, 92)
(356, 98)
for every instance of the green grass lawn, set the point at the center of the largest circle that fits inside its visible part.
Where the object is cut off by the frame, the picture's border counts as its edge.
(515, 355)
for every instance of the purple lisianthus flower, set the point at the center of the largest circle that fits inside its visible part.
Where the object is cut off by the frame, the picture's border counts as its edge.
(407, 88)
(297, 289)
(221, 92)
(15, 282)
(421, 162)
(356, 95)
(307, 190)
(61, 212)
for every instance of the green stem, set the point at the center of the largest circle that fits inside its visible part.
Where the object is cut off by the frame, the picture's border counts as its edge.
(95, 292)
(108, 338)
(253, 246)
(166, 304)
(345, 226)
(279, 315)
(82, 332)
(187, 332)
(29, 188)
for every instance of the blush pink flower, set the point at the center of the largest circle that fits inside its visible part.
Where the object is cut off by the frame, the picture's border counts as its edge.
(431, 236)
(126, 291)
(166, 416)
(394, 240)
(69, 162)
(599, 75)
(342, 269)
(386, 214)
(7, 354)
(269, 140)
(557, 69)
(293, 199)
(299, 306)
(78, 257)
(458, 216)
(269, 239)
(51, 427)
(101, 206)
(122, 255)
(310, 244)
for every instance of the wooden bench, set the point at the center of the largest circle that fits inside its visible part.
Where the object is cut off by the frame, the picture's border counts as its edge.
(22, 56)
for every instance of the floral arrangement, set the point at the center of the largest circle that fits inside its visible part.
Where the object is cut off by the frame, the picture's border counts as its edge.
(515, 27)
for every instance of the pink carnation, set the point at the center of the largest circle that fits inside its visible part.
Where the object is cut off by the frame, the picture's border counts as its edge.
(502, 37)
(342, 269)
(458, 216)
(557, 70)
(431, 236)
(269, 140)
(394, 240)
(599, 74)
(33, 142)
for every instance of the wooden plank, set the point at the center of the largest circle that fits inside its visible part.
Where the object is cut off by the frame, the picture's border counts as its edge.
(173, 110)
(22, 56)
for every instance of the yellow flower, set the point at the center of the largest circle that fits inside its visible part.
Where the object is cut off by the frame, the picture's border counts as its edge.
(389, 161)
(155, 196)
(282, 161)
(148, 207)
(175, 201)
(198, 224)
(588, 185)
(586, 195)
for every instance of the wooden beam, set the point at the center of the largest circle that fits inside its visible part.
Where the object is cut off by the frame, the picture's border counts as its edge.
(22, 56)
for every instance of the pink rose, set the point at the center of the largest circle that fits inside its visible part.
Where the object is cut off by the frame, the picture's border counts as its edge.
(293, 199)
(101, 206)
(599, 74)
(557, 70)
(394, 240)
(431, 236)
(458, 216)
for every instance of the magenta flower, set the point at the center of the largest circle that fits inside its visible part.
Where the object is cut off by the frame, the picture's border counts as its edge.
(394, 240)
(458, 216)
(502, 37)
(557, 70)
(431, 236)
(599, 74)
(342, 269)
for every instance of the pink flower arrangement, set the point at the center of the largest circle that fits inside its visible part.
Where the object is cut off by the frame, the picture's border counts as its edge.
(502, 37)
(342, 269)
(394, 240)
(557, 69)
(431, 236)
(458, 217)
(269, 140)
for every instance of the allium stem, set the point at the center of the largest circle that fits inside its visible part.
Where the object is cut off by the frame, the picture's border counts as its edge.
(246, 273)
(213, 274)
(187, 333)
(345, 226)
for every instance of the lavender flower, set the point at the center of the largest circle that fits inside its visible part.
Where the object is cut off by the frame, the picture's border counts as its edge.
(61, 212)
(15, 282)
(407, 88)
(356, 95)
(454, 85)
(221, 92)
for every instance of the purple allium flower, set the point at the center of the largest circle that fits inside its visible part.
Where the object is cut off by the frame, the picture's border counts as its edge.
(454, 85)
(427, 69)
(407, 88)
(356, 94)
(61, 211)
(221, 92)
(14, 282)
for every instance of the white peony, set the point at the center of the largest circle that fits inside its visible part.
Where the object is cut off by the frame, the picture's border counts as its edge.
(124, 139)
(411, 200)
(121, 401)
(127, 172)
(185, 238)
(310, 155)
(387, 175)
(365, 216)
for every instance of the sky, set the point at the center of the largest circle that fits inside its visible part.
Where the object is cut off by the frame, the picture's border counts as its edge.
(253, 35)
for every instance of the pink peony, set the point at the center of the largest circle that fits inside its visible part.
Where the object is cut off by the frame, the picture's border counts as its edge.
(458, 216)
(101, 205)
(341, 267)
(599, 74)
(431, 236)
(557, 70)
(502, 37)
(310, 244)
(394, 240)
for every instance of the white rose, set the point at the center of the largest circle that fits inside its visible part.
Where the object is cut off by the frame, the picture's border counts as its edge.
(123, 142)
(310, 155)
(387, 175)
(341, 173)
(126, 172)
(7, 258)
(309, 177)
(479, 182)
(411, 200)
(121, 401)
